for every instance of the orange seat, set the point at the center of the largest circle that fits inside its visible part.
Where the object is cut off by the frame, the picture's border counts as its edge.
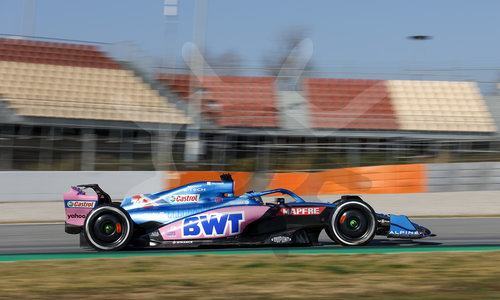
(242, 101)
(356, 96)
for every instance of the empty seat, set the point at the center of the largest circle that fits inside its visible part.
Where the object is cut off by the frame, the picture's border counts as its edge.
(64, 80)
(448, 102)
(231, 101)
(349, 104)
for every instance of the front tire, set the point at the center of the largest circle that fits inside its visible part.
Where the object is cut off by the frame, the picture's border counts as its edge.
(353, 223)
(108, 227)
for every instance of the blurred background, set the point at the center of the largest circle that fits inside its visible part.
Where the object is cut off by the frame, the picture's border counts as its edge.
(281, 86)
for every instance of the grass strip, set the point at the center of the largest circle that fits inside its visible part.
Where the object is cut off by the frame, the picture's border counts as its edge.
(270, 275)
(343, 250)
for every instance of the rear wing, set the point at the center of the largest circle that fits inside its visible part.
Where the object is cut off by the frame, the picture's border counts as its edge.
(102, 196)
(77, 205)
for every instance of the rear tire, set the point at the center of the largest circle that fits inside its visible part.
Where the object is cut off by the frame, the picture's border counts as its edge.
(108, 227)
(353, 223)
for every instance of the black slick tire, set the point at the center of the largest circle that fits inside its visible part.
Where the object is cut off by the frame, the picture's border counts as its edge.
(352, 223)
(108, 227)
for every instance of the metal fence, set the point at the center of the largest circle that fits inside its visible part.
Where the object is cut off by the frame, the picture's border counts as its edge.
(48, 148)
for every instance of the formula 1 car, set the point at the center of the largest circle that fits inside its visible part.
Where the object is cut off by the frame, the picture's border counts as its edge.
(208, 213)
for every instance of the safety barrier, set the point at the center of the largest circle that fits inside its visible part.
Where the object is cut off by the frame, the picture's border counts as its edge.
(391, 179)
(49, 185)
(362, 180)
(455, 177)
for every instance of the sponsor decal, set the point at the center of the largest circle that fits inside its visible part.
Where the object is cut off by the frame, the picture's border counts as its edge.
(155, 234)
(196, 188)
(140, 200)
(214, 182)
(404, 232)
(78, 190)
(76, 216)
(182, 242)
(184, 198)
(301, 211)
(213, 225)
(171, 234)
(281, 239)
(80, 204)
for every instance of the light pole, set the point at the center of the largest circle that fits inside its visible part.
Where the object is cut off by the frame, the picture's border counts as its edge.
(29, 14)
(170, 11)
(193, 144)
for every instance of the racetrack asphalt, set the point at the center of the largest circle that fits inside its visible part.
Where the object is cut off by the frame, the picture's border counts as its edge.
(45, 238)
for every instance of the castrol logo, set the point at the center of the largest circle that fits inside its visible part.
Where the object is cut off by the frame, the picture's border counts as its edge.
(184, 198)
(80, 204)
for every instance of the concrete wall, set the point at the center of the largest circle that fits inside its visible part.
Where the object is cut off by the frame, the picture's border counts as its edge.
(455, 177)
(49, 185)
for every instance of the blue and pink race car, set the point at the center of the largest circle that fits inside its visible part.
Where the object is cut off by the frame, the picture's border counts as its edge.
(208, 213)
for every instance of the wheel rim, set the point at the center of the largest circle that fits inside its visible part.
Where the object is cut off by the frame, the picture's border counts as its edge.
(354, 224)
(108, 230)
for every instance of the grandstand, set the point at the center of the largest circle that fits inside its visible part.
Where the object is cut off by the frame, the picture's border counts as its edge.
(440, 106)
(55, 80)
(73, 107)
(231, 101)
(49, 88)
(347, 104)
(343, 122)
